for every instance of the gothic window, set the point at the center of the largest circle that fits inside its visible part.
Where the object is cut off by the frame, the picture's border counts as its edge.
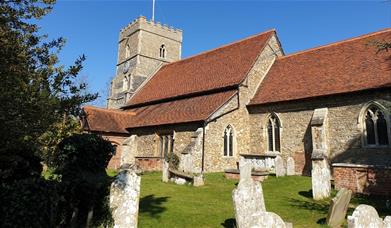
(273, 133)
(376, 127)
(228, 141)
(162, 51)
(166, 145)
(127, 51)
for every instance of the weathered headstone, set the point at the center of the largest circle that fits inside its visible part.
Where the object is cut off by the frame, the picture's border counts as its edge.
(267, 219)
(280, 167)
(338, 208)
(321, 179)
(290, 167)
(387, 222)
(124, 199)
(165, 171)
(365, 216)
(247, 197)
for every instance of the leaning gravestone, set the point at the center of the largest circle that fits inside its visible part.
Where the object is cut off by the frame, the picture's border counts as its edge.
(365, 216)
(280, 167)
(247, 197)
(290, 166)
(124, 199)
(338, 208)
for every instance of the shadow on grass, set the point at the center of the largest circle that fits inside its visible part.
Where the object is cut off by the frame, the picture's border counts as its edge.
(153, 205)
(311, 206)
(229, 223)
(307, 194)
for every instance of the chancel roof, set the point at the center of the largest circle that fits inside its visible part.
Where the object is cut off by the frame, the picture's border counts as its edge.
(343, 67)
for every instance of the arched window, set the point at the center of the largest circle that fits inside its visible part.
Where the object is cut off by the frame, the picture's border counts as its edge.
(228, 141)
(376, 129)
(162, 51)
(273, 133)
(127, 51)
(125, 84)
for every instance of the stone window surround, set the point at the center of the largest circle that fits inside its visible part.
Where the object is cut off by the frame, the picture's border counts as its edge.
(266, 135)
(163, 51)
(157, 141)
(232, 129)
(362, 125)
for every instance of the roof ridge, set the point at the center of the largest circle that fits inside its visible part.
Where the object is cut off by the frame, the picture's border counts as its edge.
(108, 110)
(223, 46)
(336, 43)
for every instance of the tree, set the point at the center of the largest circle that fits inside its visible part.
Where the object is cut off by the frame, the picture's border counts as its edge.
(37, 93)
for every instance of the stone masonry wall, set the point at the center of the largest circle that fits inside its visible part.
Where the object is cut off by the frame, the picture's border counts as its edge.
(215, 161)
(345, 130)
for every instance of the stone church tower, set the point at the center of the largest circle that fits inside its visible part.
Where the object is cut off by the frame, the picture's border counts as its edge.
(143, 47)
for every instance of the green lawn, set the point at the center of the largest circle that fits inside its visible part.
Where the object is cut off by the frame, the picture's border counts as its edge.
(170, 205)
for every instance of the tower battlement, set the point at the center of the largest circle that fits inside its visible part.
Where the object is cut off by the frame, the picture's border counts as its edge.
(141, 23)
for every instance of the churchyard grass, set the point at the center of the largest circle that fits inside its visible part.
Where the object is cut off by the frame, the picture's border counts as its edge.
(171, 205)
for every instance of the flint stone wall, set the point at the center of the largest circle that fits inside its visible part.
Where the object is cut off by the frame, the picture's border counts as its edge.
(344, 139)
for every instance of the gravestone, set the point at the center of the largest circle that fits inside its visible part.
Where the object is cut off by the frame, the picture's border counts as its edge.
(280, 167)
(338, 208)
(267, 219)
(321, 179)
(387, 222)
(165, 171)
(124, 199)
(290, 166)
(247, 197)
(365, 216)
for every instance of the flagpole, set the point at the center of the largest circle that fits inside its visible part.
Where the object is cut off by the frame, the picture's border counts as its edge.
(153, 10)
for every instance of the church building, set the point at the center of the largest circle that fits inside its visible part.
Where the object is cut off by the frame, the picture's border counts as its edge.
(248, 99)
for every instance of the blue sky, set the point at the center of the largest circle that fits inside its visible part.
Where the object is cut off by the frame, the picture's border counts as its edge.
(92, 27)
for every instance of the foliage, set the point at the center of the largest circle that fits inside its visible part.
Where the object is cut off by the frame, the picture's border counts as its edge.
(19, 164)
(36, 92)
(80, 164)
(30, 202)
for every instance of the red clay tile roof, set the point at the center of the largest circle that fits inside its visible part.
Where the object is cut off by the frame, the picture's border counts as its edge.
(223, 67)
(347, 66)
(106, 120)
(186, 110)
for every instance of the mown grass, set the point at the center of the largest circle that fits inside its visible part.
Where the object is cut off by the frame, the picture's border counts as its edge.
(170, 205)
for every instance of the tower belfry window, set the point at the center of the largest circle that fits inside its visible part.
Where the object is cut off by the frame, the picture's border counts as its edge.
(162, 53)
